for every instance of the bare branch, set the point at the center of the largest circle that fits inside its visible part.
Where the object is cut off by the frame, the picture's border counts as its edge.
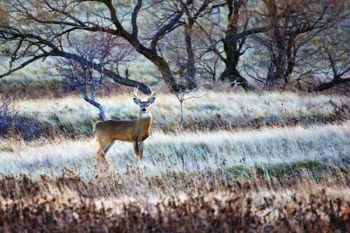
(331, 60)
(134, 18)
(24, 64)
(170, 26)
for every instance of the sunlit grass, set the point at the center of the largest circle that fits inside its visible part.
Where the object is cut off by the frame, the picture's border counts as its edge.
(210, 111)
(186, 152)
(266, 156)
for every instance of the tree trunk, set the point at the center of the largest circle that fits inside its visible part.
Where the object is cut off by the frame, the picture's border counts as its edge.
(99, 106)
(271, 78)
(191, 68)
(231, 72)
(280, 69)
(164, 69)
(152, 55)
(232, 47)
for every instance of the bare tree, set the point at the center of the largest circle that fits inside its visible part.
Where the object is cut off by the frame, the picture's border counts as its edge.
(182, 97)
(185, 48)
(335, 50)
(43, 32)
(292, 24)
(229, 43)
(34, 30)
(239, 27)
(101, 49)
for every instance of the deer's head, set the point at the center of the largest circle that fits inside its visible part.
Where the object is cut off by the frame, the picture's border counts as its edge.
(144, 104)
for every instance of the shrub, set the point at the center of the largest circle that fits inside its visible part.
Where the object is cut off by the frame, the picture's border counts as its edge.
(27, 127)
(6, 117)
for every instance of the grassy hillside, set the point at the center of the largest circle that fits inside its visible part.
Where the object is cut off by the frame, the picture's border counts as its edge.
(268, 162)
(187, 152)
(72, 116)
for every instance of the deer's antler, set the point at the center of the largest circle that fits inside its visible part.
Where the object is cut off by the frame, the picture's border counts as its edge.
(152, 94)
(136, 89)
(135, 92)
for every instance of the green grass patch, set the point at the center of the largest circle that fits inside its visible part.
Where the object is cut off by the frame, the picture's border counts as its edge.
(312, 167)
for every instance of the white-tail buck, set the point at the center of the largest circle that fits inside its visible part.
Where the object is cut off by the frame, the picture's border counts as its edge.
(134, 131)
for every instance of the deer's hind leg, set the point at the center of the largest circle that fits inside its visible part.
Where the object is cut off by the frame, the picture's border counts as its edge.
(101, 155)
(108, 147)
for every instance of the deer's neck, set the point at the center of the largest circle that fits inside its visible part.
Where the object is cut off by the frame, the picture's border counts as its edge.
(145, 115)
(143, 126)
(145, 120)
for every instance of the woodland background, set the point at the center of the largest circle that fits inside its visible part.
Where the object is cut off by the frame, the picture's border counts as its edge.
(251, 121)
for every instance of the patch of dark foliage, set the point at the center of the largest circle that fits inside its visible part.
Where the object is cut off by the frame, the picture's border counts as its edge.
(28, 128)
(6, 118)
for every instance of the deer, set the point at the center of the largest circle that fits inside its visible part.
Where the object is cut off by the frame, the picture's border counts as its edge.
(133, 131)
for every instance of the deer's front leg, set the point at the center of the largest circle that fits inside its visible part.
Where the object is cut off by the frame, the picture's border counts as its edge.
(136, 149)
(141, 150)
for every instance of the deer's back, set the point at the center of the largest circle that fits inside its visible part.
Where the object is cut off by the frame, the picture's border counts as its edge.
(114, 130)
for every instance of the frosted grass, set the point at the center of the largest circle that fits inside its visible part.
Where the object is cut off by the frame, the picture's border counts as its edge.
(188, 152)
(224, 108)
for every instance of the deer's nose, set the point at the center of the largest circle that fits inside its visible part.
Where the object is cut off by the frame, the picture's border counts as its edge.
(143, 109)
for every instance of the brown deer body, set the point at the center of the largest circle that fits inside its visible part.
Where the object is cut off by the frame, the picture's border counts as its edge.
(135, 131)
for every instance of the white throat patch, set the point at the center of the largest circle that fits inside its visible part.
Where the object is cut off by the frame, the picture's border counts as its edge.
(146, 115)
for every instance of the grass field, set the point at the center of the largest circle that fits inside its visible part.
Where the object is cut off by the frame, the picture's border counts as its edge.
(268, 162)
(73, 117)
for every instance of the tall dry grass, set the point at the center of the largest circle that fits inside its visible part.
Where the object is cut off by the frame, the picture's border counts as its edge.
(173, 161)
(211, 111)
(235, 168)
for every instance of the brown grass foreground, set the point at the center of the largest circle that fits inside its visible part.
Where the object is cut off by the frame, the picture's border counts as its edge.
(226, 211)
(290, 179)
(70, 204)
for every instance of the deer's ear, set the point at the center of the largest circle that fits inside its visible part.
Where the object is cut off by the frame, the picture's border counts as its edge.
(152, 100)
(136, 100)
